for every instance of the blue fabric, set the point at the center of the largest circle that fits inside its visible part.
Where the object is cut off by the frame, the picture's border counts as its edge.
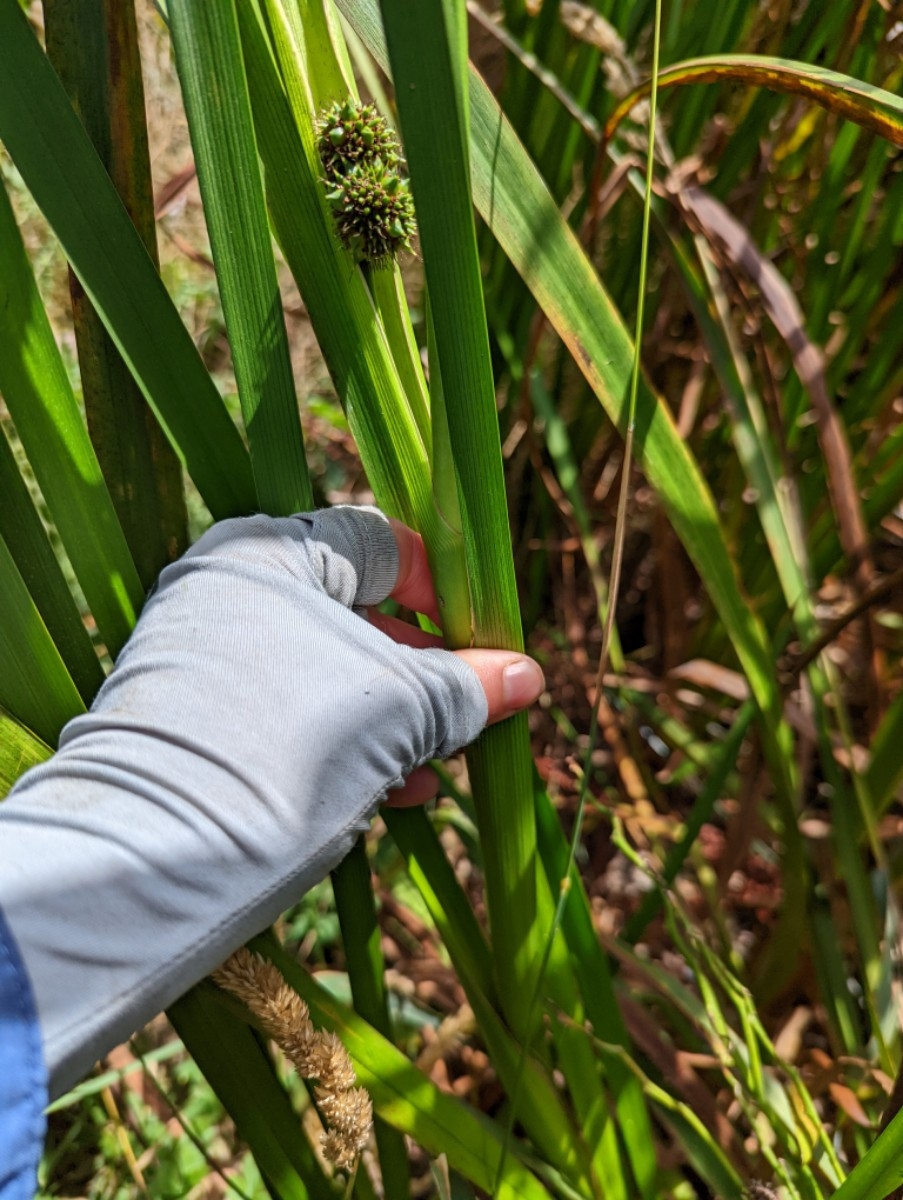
(23, 1079)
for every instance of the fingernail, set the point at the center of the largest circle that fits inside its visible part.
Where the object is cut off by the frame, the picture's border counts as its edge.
(522, 683)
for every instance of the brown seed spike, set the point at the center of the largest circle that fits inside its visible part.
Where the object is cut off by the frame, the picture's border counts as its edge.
(315, 1054)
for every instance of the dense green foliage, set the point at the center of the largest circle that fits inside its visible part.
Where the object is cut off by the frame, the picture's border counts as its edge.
(723, 1023)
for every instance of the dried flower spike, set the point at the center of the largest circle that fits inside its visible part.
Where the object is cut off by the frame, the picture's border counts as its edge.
(284, 1016)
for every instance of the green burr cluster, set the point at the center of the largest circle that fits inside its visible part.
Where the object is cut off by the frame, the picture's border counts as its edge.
(369, 198)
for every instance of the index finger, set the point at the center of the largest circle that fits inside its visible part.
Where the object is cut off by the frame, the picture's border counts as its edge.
(414, 584)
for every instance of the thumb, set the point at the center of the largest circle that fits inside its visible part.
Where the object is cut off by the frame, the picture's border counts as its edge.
(511, 681)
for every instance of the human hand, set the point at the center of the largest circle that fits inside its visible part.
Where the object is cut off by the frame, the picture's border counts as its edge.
(252, 725)
(510, 681)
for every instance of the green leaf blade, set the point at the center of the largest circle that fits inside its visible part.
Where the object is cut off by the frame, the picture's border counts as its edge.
(36, 388)
(35, 687)
(94, 48)
(208, 56)
(429, 64)
(61, 169)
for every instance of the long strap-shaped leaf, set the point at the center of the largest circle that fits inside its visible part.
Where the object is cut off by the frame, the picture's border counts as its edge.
(30, 546)
(93, 47)
(38, 394)
(215, 90)
(867, 105)
(522, 214)
(35, 686)
(20, 749)
(362, 940)
(425, 47)
(58, 163)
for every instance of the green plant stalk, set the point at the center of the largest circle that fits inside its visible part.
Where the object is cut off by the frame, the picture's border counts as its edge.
(594, 1120)
(366, 972)
(215, 90)
(594, 977)
(558, 443)
(94, 48)
(345, 320)
(541, 1111)
(455, 608)
(525, 219)
(352, 337)
(434, 878)
(388, 292)
(718, 1169)
(347, 323)
(564, 886)
(426, 47)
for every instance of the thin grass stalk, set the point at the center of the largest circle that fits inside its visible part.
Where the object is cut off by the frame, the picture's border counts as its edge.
(558, 443)
(701, 812)
(711, 1161)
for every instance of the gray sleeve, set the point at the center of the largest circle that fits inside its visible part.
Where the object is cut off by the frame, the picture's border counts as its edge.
(251, 727)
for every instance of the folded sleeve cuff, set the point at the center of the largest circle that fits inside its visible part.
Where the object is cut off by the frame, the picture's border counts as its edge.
(363, 537)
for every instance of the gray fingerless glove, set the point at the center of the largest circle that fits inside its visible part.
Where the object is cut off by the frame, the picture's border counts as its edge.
(251, 727)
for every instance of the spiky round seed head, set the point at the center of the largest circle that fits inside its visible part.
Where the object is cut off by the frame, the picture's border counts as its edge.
(351, 133)
(373, 210)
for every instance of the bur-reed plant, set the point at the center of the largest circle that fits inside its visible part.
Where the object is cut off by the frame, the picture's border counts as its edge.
(261, 82)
